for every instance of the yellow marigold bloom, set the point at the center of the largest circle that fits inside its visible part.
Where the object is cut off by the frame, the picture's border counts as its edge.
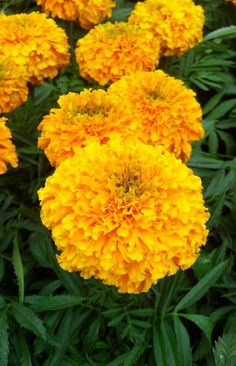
(7, 149)
(171, 115)
(92, 115)
(36, 43)
(87, 12)
(110, 51)
(13, 87)
(177, 23)
(126, 214)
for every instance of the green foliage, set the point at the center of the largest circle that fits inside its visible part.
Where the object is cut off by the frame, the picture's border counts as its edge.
(49, 317)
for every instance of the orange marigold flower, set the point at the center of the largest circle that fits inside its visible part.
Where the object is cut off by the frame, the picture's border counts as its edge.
(36, 43)
(110, 51)
(171, 114)
(177, 23)
(87, 12)
(232, 1)
(7, 149)
(126, 214)
(92, 115)
(13, 87)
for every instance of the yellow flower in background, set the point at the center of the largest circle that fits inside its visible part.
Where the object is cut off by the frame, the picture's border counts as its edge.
(171, 115)
(87, 12)
(35, 43)
(125, 214)
(13, 87)
(92, 115)
(110, 51)
(93, 12)
(63, 9)
(7, 149)
(178, 24)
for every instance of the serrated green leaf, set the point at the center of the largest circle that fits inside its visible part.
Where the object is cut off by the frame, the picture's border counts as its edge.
(199, 290)
(222, 33)
(27, 318)
(18, 267)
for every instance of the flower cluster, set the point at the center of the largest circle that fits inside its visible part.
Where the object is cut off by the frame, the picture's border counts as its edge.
(13, 87)
(35, 43)
(7, 149)
(110, 51)
(170, 114)
(88, 13)
(81, 119)
(178, 24)
(126, 214)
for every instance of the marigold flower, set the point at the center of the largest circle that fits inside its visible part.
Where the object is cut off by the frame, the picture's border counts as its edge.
(232, 1)
(87, 12)
(92, 115)
(126, 214)
(171, 116)
(36, 43)
(7, 149)
(177, 23)
(13, 87)
(110, 51)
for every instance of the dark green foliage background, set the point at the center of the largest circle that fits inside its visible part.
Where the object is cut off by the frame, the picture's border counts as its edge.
(49, 317)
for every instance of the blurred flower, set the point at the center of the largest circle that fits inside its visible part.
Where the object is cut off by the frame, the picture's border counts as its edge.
(87, 12)
(110, 51)
(35, 43)
(13, 87)
(126, 214)
(81, 119)
(178, 24)
(232, 1)
(171, 115)
(7, 149)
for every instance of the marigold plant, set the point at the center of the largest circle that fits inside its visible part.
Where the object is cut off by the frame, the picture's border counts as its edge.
(36, 43)
(7, 149)
(92, 115)
(232, 1)
(126, 214)
(13, 87)
(171, 116)
(110, 51)
(177, 23)
(87, 12)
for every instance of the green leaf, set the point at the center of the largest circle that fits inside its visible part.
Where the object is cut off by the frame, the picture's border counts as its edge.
(165, 345)
(4, 343)
(225, 350)
(25, 351)
(134, 355)
(18, 267)
(52, 303)
(183, 342)
(200, 289)
(28, 319)
(222, 33)
(222, 109)
(203, 322)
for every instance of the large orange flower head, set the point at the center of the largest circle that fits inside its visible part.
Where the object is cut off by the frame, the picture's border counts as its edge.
(110, 51)
(126, 214)
(7, 149)
(177, 23)
(171, 114)
(92, 115)
(87, 12)
(36, 43)
(13, 87)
